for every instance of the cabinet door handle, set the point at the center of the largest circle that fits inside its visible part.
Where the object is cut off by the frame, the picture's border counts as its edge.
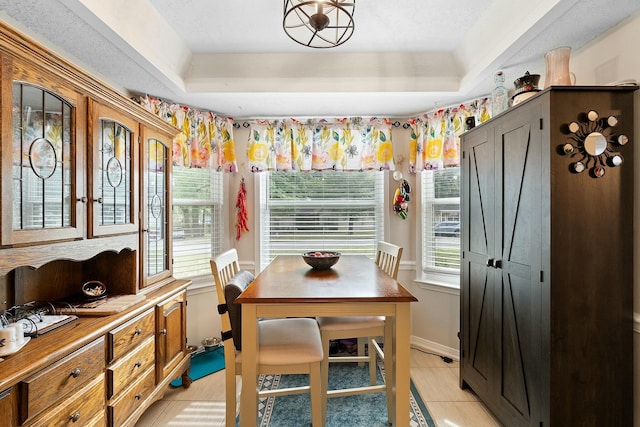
(76, 373)
(497, 264)
(82, 199)
(75, 417)
(138, 364)
(138, 396)
(138, 331)
(164, 331)
(99, 200)
(489, 262)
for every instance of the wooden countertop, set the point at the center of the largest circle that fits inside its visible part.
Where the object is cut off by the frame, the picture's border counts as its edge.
(48, 348)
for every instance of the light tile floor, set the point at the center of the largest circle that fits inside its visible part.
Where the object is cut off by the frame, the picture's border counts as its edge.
(202, 404)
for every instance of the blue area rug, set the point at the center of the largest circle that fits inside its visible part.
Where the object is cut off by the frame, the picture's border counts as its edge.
(365, 410)
(203, 364)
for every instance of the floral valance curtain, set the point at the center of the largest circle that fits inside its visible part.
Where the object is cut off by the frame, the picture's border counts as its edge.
(205, 140)
(435, 136)
(351, 144)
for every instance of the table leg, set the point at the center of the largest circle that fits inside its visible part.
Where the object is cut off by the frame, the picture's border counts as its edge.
(402, 377)
(249, 394)
(389, 367)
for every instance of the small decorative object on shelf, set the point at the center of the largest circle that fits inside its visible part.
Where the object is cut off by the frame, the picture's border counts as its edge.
(499, 96)
(94, 289)
(526, 87)
(558, 74)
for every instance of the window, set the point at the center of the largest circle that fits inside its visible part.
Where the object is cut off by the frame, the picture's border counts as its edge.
(340, 211)
(197, 220)
(441, 225)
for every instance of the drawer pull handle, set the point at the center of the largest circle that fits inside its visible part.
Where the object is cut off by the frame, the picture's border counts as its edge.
(138, 396)
(138, 364)
(164, 331)
(75, 417)
(76, 373)
(138, 331)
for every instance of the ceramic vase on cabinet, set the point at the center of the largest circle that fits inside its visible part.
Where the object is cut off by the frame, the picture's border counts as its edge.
(557, 63)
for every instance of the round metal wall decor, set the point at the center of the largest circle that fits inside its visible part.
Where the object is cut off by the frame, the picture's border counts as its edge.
(593, 142)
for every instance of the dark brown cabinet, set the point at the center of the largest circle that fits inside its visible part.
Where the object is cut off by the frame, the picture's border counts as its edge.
(546, 301)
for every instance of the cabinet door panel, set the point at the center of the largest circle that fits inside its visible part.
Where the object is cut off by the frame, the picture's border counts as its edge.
(171, 335)
(43, 138)
(477, 274)
(156, 238)
(518, 299)
(113, 182)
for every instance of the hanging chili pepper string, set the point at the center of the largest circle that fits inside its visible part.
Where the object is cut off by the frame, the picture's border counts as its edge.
(241, 208)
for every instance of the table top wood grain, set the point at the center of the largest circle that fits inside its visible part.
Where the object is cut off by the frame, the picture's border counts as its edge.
(354, 279)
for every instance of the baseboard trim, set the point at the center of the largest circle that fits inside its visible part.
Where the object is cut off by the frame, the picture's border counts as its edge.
(434, 347)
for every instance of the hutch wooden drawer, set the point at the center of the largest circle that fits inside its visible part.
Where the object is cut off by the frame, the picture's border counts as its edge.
(44, 388)
(82, 408)
(128, 401)
(9, 406)
(99, 420)
(127, 369)
(131, 334)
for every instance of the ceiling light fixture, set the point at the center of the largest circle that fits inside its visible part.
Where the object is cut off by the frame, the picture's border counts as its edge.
(319, 24)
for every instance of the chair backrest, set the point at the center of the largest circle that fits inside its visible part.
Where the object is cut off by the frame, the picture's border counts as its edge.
(232, 290)
(388, 258)
(223, 268)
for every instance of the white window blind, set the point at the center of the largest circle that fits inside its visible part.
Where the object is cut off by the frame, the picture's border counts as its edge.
(337, 211)
(441, 222)
(197, 220)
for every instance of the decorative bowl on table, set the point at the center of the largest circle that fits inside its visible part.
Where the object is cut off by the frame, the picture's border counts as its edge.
(321, 260)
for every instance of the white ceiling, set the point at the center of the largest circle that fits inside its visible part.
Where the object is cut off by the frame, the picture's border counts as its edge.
(233, 57)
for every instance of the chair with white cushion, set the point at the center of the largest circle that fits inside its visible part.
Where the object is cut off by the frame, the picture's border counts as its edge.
(335, 328)
(285, 346)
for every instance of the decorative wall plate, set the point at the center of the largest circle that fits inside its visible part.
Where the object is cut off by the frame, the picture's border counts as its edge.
(593, 143)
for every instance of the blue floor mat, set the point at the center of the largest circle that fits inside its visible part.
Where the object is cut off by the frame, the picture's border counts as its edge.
(203, 364)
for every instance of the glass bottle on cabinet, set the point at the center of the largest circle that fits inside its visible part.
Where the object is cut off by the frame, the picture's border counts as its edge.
(155, 238)
(44, 192)
(499, 96)
(113, 200)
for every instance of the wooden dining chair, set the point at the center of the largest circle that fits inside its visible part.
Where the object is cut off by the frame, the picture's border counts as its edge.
(363, 328)
(285, 346)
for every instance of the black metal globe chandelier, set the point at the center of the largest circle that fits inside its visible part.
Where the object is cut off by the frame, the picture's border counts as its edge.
(319, 24)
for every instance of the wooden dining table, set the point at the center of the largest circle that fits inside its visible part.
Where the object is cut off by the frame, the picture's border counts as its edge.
(354, 286)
